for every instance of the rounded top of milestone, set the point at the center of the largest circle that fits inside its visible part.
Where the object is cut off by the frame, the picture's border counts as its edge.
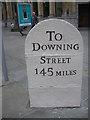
(53, 36)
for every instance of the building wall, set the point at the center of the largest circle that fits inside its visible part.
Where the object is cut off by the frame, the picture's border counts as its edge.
(59, 8)
(55, 9)
(64, 10)
(8, 10)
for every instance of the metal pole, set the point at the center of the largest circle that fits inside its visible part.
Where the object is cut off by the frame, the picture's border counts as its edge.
(5, 15)
(4, 68)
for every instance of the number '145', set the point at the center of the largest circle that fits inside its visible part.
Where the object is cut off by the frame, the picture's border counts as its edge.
(44, 72)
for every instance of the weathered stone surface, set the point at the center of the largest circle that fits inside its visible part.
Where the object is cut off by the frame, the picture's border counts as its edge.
(54, 57)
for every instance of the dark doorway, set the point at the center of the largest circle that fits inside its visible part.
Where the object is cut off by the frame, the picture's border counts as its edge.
(58, 9)
(45, 9)
(83, 15)
(35, 8)
(25, 14)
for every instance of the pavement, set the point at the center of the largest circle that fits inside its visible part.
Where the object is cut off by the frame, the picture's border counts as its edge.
(15, 94)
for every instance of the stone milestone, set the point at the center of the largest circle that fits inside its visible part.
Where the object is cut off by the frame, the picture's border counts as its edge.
(54, 58)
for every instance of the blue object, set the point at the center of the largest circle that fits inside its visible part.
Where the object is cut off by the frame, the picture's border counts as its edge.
(24, 14)
(67, 12)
